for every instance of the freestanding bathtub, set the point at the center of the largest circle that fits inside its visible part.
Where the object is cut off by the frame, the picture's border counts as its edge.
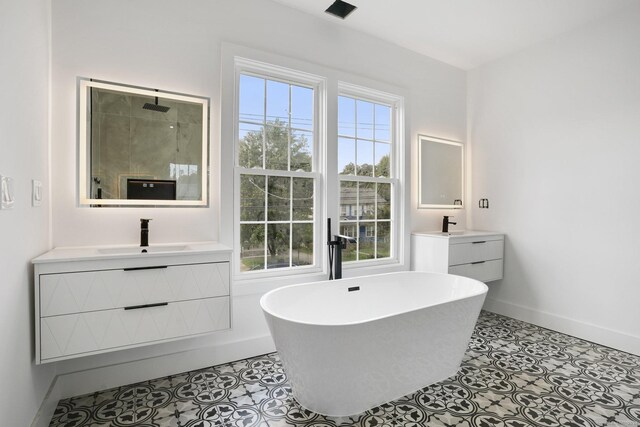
(349, 345)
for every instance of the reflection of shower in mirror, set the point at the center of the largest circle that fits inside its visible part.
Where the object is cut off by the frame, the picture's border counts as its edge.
(132, 134)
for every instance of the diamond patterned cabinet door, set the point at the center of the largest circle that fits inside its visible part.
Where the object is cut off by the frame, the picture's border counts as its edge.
(68, 293)
(97, 331)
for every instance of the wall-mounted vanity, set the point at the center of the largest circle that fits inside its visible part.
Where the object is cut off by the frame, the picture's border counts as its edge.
(440, 173)
(475, 254)
(91, 300)
(141, 147)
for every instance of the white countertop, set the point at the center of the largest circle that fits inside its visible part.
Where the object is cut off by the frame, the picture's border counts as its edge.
(456, 233)
(83, 253)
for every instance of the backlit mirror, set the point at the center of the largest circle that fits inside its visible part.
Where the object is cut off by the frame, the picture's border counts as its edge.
(440, 173)
(141, 147)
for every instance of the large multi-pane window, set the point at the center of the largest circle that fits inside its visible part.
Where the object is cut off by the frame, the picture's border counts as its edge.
(365, 150)
(281, 186)
(277, 172)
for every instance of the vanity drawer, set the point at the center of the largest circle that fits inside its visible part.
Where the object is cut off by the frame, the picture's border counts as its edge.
(78, 292)
(485, 271)
(97, 331)
(481, 250)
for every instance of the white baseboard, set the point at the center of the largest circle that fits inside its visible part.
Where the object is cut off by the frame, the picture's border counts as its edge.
(48, 406)
(105, 377)
(583, 330)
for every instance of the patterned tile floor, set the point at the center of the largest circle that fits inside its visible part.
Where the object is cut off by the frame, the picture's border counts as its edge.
(514, 374)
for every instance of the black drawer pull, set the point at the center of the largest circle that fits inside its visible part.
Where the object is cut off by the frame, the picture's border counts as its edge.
(135, 307)
(145, 268)
(478, 262)
(481, 241)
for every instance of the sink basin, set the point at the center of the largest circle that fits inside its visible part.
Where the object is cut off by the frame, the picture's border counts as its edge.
(456, 233)
(137, 249)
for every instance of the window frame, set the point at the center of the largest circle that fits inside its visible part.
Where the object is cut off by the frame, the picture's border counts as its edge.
(396, 165)
(245, 66)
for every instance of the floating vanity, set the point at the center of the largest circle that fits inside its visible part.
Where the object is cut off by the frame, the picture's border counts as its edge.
(91, 300)
(475, 254)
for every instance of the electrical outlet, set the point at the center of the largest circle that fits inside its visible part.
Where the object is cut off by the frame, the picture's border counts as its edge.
(36, 192)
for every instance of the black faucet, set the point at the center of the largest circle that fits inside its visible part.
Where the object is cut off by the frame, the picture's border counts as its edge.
(446, 222)
(339, 243)
(336, 246)
(144, 232)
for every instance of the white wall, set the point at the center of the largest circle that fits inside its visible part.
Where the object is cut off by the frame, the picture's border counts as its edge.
(176, 45)
(24, 230)
(555, 132)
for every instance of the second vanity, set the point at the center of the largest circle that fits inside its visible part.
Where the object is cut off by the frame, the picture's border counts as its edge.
(91, 300)
(475, 254)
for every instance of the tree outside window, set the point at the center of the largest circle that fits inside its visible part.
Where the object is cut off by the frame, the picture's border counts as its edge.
(275, 152)
(364, 158)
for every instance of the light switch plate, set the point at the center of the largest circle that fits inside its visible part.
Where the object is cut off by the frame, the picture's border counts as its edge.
(7, 197)
(36, 192)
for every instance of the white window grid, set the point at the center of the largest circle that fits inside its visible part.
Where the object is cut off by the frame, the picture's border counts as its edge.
(394, 102)
(265, 71)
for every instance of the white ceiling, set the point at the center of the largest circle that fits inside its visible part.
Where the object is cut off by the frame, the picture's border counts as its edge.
(465, 33)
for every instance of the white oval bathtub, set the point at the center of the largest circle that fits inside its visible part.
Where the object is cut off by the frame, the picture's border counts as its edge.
(349, 345)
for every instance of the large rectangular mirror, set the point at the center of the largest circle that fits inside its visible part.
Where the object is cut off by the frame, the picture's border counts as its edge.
(440, 173)
(141, 147)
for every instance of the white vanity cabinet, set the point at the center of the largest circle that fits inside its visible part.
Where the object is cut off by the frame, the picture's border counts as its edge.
(475, 254)
(95, 300)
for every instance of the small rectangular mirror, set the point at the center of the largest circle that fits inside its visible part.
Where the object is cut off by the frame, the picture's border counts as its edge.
(141, 147)
(440, 173)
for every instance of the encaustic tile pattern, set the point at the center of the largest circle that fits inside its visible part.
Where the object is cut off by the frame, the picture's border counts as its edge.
(514, 374)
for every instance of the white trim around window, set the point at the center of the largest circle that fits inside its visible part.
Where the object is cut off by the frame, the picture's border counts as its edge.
(396, 176)
(272, 73)
(330, 83)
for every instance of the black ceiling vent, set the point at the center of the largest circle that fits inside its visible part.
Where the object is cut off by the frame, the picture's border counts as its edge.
(340, 9)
